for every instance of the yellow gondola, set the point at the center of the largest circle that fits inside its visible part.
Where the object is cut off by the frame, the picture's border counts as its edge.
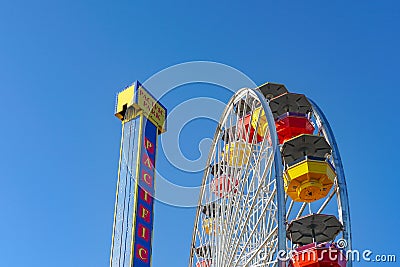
(208, 225)
(237, 153)
(260, 120)
(309, 180)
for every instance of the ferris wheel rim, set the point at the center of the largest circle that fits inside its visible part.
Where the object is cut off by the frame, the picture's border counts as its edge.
(344, 212)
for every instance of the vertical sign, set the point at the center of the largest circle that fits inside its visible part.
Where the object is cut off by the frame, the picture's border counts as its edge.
(145, 192)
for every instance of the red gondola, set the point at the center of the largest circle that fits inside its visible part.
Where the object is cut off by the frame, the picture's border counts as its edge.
(223, 185)
(246, 131)
(318, 255)
(204, 263)
(291, 124)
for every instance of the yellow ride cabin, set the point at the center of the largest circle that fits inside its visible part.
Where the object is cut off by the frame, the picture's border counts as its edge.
(309, 180)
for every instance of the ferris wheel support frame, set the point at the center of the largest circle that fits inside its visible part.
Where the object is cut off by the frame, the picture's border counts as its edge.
(343, 198)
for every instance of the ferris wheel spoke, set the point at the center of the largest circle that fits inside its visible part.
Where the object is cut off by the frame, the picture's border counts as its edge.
(302, 208)
(289, 209)
(328, 199)
(271, 235)
(249, 211)
(275, 263)
(246, 201)
(255, 226)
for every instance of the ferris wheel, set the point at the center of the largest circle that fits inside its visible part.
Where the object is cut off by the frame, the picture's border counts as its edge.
(274, 188)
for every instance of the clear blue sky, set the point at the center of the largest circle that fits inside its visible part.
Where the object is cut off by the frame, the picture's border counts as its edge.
(61, 63)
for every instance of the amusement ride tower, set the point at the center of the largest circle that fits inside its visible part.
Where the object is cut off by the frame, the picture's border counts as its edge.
(143, 119)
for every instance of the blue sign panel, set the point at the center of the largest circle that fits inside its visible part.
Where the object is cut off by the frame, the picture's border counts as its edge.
(145, 192)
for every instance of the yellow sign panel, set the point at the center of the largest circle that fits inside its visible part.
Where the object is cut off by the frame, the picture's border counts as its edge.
(136, 100)
(151, 108)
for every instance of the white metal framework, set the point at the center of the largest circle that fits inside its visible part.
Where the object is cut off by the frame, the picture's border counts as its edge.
(243, 209)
